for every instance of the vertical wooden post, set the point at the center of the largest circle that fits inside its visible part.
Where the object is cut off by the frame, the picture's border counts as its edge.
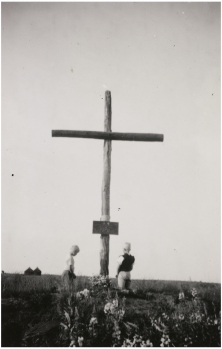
(104, 239)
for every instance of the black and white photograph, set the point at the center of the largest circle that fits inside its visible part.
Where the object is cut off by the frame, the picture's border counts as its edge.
(111, 174)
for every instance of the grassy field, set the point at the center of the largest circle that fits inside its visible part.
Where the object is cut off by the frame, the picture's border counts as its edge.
(161, 313)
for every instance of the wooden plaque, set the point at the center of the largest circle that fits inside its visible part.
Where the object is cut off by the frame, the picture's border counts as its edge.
(105, 228)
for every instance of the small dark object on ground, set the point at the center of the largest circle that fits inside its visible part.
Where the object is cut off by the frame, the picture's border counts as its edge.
(135, 294)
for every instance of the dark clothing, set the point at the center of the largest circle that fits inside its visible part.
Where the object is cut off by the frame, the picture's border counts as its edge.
(127, 263)
(71, 275)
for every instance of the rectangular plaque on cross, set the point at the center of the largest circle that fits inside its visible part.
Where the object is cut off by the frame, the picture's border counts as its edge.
(104, 226)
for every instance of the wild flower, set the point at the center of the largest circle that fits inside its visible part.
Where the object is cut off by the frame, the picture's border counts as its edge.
(136, 342)
(146, 343)
(109, 308)
(121, 313)
(80, 341)
(159, 325)
(115, 302)
(127, 343)
(209, 321)
(198, 317)
(112, 308)
(93, 321)
(93, 327)
(100, 281)
(114, 311)
(184, 322)
(165, 341)
(193, 292)
(72, 343)
(78, 295)
(181, 317)
(116, 333)
(83, 294)
(188, 342)
(86, 292)
(195, 317)
(165, 316)
(181, 296)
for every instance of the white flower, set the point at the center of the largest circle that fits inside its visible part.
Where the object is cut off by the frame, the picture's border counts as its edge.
(93, 321)
(148, 343)
(80, 341)
(115, 302)
(181, 295)
(193, 292)
(86, 292)
(121, 313)
(107, 307)
(112, 308)
(78, 295)
(198, 317)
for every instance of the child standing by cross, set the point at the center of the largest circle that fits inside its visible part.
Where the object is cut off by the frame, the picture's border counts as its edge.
(68, 275)
(124, 267)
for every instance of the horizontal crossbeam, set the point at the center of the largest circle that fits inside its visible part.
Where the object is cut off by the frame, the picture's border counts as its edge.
(112, 136)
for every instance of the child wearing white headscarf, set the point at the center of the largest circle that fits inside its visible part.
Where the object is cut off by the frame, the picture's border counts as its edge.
(125, 264)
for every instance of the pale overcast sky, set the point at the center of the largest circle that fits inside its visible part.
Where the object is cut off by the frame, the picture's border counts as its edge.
(161, 62)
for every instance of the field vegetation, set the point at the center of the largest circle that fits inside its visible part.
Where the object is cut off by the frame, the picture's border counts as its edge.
(38, 311)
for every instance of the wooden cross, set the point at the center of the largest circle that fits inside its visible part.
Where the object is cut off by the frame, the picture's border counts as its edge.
(105, 227)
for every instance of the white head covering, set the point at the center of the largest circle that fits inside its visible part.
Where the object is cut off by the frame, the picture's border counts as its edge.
(127, 246)
(74, 249)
